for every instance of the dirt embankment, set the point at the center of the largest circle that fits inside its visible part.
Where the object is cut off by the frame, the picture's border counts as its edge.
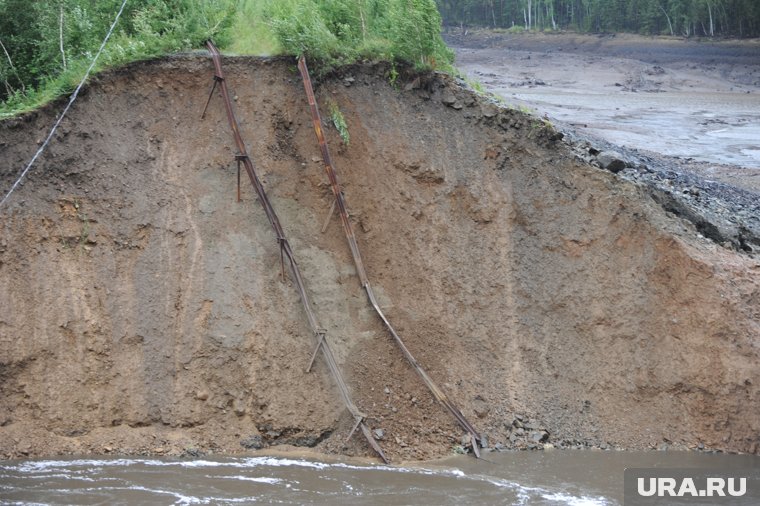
(142, 311)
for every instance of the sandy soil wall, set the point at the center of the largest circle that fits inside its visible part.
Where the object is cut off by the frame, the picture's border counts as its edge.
(142, 311)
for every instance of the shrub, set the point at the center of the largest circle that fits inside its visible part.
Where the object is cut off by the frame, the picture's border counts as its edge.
(33, 33)
(329, 32)
(340, 31)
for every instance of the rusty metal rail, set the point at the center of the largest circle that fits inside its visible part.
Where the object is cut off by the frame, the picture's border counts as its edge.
(437, 392)
(286, 253)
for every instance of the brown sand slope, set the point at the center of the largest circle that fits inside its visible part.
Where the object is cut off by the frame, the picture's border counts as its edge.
(142, 312)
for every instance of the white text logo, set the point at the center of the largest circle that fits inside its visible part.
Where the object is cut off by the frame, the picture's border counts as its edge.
(670, 487)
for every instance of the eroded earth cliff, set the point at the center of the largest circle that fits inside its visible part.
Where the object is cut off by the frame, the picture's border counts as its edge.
(142, 308)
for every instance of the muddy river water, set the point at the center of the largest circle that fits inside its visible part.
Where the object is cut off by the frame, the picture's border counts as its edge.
(550, 478)
(689, 99)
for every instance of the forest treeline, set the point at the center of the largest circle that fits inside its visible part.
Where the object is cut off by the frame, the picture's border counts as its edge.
(701, 18)
(46, 45)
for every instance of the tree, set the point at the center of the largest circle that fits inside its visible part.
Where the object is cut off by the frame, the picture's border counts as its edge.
(684, 17)
(47, 39)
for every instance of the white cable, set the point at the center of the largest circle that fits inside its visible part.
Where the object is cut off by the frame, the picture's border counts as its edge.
(66, 109)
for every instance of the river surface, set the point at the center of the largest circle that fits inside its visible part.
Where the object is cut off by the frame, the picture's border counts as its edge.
(543, 478)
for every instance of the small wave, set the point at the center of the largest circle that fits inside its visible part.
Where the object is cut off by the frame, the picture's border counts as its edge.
(40, 466)
(179, 498)
(527, 494)
(257, 479)
(571, 500)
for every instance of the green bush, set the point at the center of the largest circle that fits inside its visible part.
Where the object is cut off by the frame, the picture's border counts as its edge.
(339, 121)
(414, 28)
(32, 33)
(334, 32)
(301, 29)
(34, 69)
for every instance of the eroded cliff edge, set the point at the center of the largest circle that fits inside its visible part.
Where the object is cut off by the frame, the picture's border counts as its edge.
(142, 309)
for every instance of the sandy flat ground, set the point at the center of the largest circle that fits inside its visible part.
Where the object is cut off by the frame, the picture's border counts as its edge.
(688, 99)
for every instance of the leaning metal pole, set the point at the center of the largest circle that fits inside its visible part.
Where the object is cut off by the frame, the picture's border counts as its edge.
(286, 253)
(437, 392)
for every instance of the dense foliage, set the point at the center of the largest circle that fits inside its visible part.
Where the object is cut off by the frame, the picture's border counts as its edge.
(45, 45)
(337, 31)
(736, 18)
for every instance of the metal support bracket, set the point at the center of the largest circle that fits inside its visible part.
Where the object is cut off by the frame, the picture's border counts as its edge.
(281, 241)
(211, 94)
(239, 159)
(321, 339)
(475, 448)
(359, 420)
(332, 211)
(329, 215)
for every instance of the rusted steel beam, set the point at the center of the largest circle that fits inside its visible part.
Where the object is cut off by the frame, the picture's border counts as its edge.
(437, 392)
(286, 253)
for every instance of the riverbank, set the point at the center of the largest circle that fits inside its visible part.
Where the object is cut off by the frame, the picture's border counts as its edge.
(144, 312)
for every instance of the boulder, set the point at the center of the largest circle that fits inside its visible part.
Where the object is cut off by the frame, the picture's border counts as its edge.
(611, 161)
